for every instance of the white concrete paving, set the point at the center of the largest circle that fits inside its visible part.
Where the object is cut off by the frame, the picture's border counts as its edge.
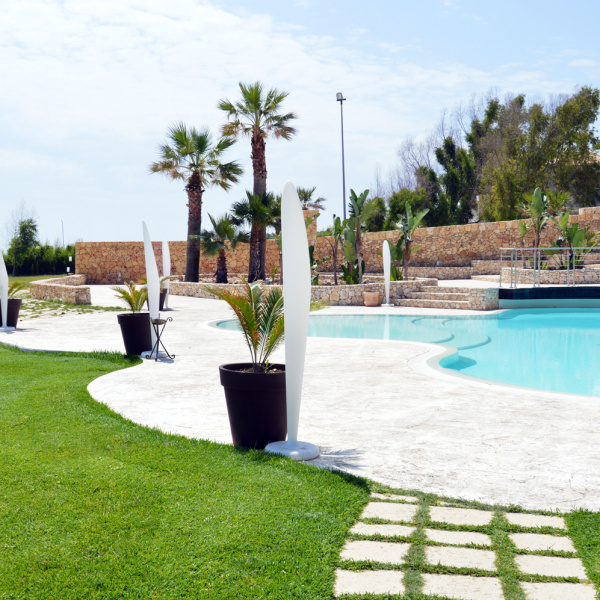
(375, 408)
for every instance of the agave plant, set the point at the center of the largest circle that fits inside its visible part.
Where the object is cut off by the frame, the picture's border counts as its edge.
(260, 316)
(134, 297)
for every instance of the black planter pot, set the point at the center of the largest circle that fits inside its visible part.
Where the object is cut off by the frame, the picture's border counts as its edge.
(137, 333)
(12, 312)
(256, 405)
(161, 300)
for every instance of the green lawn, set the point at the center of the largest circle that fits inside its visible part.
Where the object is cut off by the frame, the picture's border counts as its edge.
(93, 506)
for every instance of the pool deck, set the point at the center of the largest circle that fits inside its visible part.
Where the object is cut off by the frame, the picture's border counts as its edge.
(375, 408)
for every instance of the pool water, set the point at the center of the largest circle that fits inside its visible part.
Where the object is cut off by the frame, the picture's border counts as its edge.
(548, 349)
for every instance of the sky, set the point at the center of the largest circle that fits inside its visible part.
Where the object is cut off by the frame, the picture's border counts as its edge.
(89, 88)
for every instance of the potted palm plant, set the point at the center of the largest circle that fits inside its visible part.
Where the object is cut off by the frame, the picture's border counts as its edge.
(255, 390)
(13, 305)
(135, 325)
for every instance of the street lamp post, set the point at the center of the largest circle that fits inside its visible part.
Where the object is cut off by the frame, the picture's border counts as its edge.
(340, 99)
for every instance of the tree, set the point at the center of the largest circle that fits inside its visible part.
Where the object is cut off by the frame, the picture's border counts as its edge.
(305, 196)
(360, 210)
(257, 115)
(24, 240)
(376, 219)
(213, 242)
(259, 211)
(336, 232)
(407, 226)
(536, 208)
(194, 158)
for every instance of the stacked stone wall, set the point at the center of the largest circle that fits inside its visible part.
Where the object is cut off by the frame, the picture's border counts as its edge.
(70, 289)
(453, 246)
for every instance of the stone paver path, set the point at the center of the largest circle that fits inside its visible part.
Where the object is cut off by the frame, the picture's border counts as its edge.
(402, 545)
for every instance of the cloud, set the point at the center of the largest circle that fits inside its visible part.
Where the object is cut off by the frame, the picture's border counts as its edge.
(583, 62)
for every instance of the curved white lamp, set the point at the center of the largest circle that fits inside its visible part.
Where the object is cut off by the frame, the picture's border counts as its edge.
(386, 271)
(296, 296)
(4, 296)
(153, 283)
(166, 271)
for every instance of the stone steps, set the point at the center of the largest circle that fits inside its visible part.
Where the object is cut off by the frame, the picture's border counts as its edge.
(429, 303)
(494, 278)
(441, 295)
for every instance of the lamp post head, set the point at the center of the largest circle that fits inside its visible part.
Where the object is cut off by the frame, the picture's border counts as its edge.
(340, 97)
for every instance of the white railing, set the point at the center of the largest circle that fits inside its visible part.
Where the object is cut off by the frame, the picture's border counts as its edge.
(573, 262)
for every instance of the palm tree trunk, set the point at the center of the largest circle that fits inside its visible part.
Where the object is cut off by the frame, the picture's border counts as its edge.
(259, 168)
(254, 260)
(221, 267)
(192, 255)
(405, 259)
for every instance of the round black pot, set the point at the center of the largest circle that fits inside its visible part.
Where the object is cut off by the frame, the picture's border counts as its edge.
(161, 300)
(256, 405)
(137, 333)
(12, 312)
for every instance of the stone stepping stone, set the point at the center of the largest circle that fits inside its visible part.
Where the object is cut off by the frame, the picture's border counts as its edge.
(387, 530)
(558, 591)
(550, 565)
(458, 538)
(384, 552)
(469, 558)
(463, 587)
(389, 511)
(537, 541)
(369, 582)
(525, 520)
(378, 496)
(460, 516)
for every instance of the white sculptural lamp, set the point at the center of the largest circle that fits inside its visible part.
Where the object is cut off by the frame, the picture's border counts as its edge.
(387, 261)
(296, 306)
(4, 297)
(166, 272)
(153, 283)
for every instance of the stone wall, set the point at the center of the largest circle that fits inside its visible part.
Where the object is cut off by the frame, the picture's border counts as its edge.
(70, 289)
(551, 276)
(456, 245)
(453, 246)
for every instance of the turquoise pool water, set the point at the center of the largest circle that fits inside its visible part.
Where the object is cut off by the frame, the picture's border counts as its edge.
(548, 349)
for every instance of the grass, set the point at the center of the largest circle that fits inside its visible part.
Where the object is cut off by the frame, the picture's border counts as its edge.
(93, 506)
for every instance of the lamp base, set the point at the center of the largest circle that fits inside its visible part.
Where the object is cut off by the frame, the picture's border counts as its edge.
(387, 304)
(300, 451)
(6, 328)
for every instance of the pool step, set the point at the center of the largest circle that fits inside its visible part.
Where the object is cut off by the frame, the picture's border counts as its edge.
(433, 296)
(433, 303)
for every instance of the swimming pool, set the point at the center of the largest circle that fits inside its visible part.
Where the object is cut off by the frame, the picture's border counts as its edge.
(548, 349)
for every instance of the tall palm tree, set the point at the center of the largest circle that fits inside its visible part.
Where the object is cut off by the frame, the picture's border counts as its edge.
(257, 115)
(193, 157)
(308, 202)
(213, 242)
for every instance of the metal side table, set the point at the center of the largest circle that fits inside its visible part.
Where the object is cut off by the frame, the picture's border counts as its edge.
(159, 326)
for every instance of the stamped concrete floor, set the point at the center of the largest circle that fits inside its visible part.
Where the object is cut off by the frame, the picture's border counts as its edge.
(401, 545)
(375, 409)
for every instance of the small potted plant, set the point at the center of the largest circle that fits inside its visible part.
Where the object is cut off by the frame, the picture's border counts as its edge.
(163, 290)
(135, 325)
(13, 305)
(255, 391)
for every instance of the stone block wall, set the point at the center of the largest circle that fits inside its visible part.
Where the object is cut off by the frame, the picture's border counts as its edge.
(452, 246)
(70, 289)
(552, 276)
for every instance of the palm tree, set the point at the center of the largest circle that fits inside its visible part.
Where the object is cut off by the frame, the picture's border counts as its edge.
(193, 157)
(305, 196)
(257, 115)
(258, 211)
(360, 210)
(407, 226)
(215, 242)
